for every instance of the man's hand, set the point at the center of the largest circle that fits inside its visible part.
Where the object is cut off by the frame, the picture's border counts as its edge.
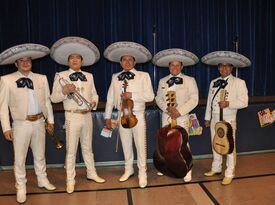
(223, 104)
(92, 105)
(173, 112)
(108, 123)
(69, 88)
(50, 128)
(126, 95)
(207, 123)
(8, 135)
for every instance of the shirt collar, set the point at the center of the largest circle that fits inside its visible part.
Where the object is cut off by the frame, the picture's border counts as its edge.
(180, 75)
(133, 70)
(227, 77)
(72, 71)
(23, 76)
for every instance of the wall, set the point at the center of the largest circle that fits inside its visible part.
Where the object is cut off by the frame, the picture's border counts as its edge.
(250, 137)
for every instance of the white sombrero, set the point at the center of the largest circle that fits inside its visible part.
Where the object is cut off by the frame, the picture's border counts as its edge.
(164, 57)
(115, 51)
(64, 47)
(217, 57)
(31, 50)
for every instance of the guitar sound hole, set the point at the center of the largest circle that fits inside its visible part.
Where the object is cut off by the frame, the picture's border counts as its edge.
(220, 132)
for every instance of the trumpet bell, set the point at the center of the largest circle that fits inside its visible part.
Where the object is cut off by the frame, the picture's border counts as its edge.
(59, 144)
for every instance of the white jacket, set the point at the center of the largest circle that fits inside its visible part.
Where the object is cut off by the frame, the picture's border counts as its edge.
(187, 95)
(140, 87)
(88, 90)
(237, 97)
(16, 99)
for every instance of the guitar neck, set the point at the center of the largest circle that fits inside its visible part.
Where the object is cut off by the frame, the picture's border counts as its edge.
(221, 114)
(173, 123)
(223, 96)
(125, 86)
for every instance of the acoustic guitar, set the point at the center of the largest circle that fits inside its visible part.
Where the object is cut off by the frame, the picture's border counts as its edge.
(223, 142)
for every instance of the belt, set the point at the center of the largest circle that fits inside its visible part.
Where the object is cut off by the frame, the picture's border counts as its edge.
(79, 111)
(34, 117)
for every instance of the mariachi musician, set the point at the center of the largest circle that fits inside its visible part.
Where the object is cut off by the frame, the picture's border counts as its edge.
(76, 89)
(139, 90)
(236, 98)
(185, 88)
(26, 96)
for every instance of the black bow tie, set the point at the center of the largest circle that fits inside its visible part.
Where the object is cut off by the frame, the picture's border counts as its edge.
(77, 75)
(174, 80)
(126, 75)
(23, 82)
(220, 83)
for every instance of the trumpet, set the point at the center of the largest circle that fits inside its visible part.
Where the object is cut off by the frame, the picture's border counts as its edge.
(76, 96)
(57, 141)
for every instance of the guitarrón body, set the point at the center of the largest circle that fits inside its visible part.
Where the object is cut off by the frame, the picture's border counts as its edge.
(172, 156)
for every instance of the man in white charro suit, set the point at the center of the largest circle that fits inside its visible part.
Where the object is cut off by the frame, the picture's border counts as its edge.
(76, 52)
(26, 95)
(139, 90)
(185, 87)
(237, 99)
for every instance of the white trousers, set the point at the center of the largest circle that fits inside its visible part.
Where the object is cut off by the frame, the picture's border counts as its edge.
(78, 127)
(138, 133)
(231, 159)
(29, 134)
(182, 121)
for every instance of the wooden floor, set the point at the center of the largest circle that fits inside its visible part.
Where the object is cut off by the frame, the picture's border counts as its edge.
(254, 184)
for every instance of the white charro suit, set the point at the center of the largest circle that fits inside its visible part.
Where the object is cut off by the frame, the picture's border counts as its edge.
(142, 92)
(238, 98)
(187, 98)
(26, 133)
(79, 126)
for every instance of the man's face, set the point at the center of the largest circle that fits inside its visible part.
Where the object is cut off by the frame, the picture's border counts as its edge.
(75, 62)
(24, 64)
(127, 62)
(225, 69)
(175, 67)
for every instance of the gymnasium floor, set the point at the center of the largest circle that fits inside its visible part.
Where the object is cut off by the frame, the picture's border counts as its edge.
(254, 183)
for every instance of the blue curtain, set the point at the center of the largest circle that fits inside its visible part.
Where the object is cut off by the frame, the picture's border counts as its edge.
(200, 26)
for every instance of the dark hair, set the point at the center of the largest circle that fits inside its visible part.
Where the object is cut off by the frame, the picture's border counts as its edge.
(75, 54)
(126, 55)
(16, 61)
(178, 61)
(229, 64)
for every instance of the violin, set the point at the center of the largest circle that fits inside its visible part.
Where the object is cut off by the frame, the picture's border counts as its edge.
(128, 119)
(172, 156)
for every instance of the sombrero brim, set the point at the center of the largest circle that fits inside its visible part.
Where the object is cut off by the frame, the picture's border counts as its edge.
(115, 51)
(217, 57)
(34, 51)
(63, 48)
(164, 57)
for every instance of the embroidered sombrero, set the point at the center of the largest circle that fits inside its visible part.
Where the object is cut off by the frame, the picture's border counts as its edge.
(34, 51)
(64, 47)
(164, 57)
(217, 57)
(115, 51)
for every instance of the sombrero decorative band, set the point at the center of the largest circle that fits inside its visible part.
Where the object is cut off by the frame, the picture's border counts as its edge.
(64, 47)
(34, 51)
(115, 51)
(217, 57)
(164, 57)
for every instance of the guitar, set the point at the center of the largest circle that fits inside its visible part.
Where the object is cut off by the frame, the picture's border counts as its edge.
(172, 156)
(223, 142)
